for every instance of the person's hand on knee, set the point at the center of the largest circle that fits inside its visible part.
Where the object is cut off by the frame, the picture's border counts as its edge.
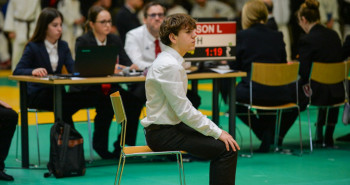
(229, 141)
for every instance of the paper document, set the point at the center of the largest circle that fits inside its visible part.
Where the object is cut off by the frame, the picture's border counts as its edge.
(221, 71)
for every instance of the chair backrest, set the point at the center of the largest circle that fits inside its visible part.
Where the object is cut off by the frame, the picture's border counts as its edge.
(329, 73)
(274, 74)
(119, 113)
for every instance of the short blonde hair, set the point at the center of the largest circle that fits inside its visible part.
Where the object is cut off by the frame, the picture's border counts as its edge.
(254, 12)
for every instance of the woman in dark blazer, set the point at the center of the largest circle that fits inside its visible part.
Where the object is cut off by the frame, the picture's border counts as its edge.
(99, 26)
(45, 54)
(319, 45)
(258, 43)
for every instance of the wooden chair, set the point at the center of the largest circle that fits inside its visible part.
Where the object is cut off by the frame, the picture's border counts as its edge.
(328, 74)
(274, 74)
(130, 151)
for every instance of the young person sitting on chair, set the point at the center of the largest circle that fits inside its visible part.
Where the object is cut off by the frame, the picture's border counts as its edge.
(172, 123)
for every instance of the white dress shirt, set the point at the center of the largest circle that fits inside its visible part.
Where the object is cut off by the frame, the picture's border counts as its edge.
(140, 47)
(167, 104)
(53, 54)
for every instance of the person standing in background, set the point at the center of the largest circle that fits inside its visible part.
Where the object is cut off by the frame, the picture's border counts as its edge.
(73, 21)
(216, 9)
(281, 12)
(126, 18)
(20, 21)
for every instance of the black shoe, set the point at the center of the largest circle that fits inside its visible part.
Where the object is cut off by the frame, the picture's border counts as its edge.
(105, 154)
(5, 177)
(345, 138)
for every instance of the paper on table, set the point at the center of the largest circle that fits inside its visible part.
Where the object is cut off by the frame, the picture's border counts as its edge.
(221, 71)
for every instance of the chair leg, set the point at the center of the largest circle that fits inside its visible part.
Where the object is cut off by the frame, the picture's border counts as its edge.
(277, 129)
(310, 133)
(181, 168)
(301, 139)
(90, 137)
(17, 137)
(250, 134)
(120, 169)
(37, 135)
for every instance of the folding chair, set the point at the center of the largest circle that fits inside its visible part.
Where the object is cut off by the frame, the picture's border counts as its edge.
(130, 151)
(273, 74)
(328, 74)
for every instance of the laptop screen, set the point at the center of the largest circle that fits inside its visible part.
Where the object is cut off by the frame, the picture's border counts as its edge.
(95, 61)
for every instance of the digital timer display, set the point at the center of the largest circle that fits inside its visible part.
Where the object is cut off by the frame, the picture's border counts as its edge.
(213, 52)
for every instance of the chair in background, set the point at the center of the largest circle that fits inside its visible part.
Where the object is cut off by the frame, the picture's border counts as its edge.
(274, 74)
(36, 111)
(130, 151)
(328, 74)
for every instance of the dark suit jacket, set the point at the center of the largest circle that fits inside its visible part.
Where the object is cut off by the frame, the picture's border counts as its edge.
(125, 21)
(271, 23)
(320, 45)
(35, 56)
(259, 44)
(88, 39)
(346, 48)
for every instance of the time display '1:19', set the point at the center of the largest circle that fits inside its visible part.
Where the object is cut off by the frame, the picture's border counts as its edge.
(210, 52)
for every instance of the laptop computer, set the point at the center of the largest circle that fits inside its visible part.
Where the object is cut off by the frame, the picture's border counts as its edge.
(95, 61)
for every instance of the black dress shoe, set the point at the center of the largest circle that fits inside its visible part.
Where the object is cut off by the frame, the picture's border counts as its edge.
(105, 154)
(5, 177)
(345, 138)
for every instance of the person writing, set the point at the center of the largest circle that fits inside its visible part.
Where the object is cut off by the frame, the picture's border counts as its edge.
(8, 122)
(172, 123)
(99, 26)
(46, 54)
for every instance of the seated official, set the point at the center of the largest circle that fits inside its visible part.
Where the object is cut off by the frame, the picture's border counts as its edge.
(258, 43)
(98, 34)
(45, 54)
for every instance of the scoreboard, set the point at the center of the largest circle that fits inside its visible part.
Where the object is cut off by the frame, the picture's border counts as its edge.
(214, 41)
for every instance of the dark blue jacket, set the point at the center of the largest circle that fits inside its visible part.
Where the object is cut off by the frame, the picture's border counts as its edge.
(259, 44)
(35, 56)
(320, 45)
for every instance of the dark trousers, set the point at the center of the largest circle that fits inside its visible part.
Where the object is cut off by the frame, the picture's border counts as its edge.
(181, 137)
(134, 99)
(105, 114)
(8, 122)
(264, 125)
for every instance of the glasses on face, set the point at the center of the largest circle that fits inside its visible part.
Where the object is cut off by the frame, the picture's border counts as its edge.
(105, 22)
(154, 15)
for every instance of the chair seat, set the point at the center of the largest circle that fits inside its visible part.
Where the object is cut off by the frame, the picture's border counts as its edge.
(333, 105)
(144, 149)
(284, 106)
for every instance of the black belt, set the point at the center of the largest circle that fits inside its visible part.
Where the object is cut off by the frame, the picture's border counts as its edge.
(28, 22)
(157, 127)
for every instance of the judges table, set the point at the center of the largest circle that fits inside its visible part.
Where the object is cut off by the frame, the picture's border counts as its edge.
(58, 84)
